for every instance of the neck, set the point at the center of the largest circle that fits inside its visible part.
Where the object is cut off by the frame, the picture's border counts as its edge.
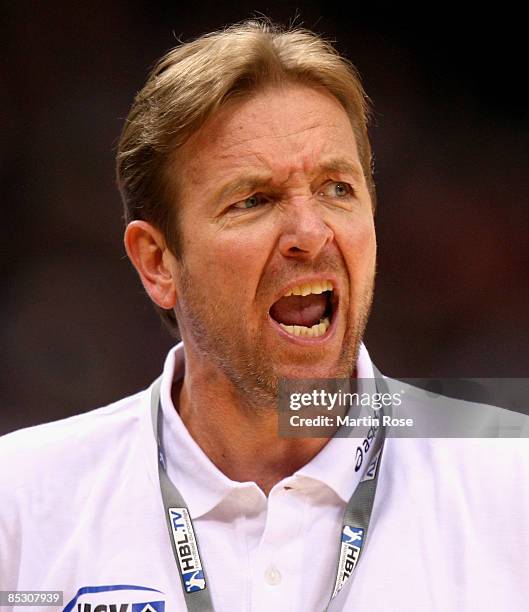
(242, 442)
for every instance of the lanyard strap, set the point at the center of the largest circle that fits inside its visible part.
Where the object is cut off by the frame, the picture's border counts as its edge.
(181, 532)
(193, 577)
(357, 513)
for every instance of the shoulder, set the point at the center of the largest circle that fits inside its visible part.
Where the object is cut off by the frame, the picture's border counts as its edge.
(57, 477)
(61, 450)
(481, 446)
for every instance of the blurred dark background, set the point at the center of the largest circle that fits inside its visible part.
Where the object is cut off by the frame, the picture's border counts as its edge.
(450, 137)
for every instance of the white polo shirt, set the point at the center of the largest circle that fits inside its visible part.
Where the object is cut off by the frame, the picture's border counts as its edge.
(81, 512)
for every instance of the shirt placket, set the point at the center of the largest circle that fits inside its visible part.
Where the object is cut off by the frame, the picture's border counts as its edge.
(277, 562)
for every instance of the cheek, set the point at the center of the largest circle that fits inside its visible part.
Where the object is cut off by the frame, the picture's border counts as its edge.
(359, 247)
(229, 261)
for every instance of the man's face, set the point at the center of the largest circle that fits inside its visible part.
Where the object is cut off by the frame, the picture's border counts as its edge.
(273, 199)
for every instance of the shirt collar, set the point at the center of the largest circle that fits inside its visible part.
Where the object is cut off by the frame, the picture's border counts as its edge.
(199, 481)
(204, 486)
(334, 465)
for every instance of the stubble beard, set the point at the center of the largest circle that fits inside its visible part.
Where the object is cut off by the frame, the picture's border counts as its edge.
(245, 364)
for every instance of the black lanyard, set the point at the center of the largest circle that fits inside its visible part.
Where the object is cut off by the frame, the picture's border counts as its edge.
(182, 535)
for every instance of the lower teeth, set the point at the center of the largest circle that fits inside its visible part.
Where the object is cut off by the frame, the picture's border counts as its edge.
(311, 332)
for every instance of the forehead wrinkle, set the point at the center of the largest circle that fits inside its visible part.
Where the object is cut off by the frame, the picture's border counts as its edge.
(277, 172)
(255, 138)
(289, 154)
(298, 155)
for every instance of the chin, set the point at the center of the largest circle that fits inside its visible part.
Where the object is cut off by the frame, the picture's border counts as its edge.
(306, 370)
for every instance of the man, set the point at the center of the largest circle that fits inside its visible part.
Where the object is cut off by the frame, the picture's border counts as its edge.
(245, 170)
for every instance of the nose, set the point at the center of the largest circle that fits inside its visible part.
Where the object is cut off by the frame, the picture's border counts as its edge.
(304, 234)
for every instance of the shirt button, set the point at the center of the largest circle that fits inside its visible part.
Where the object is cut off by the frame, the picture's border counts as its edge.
(272, 576)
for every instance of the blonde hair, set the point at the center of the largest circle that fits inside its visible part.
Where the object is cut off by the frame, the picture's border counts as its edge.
(195, 79)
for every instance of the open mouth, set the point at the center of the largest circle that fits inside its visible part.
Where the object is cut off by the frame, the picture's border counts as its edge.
(306, 310)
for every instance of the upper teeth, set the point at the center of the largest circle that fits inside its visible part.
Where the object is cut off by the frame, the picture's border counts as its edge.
(308, 288)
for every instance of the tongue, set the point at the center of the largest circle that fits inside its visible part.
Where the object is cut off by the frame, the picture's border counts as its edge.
(299, 310)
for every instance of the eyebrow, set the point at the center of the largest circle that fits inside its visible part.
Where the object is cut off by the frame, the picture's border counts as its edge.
(342, 166)
(251, 182)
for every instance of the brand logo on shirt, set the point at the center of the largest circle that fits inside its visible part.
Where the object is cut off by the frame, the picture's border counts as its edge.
(364, 447)
(116, 598)
(187, 550)
(371, 471)
(352, 540)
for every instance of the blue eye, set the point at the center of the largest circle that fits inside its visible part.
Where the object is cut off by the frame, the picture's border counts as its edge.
(336, 189)
(341, 189)
(251, 201)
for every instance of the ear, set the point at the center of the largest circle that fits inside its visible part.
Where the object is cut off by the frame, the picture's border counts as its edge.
(154, 262)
